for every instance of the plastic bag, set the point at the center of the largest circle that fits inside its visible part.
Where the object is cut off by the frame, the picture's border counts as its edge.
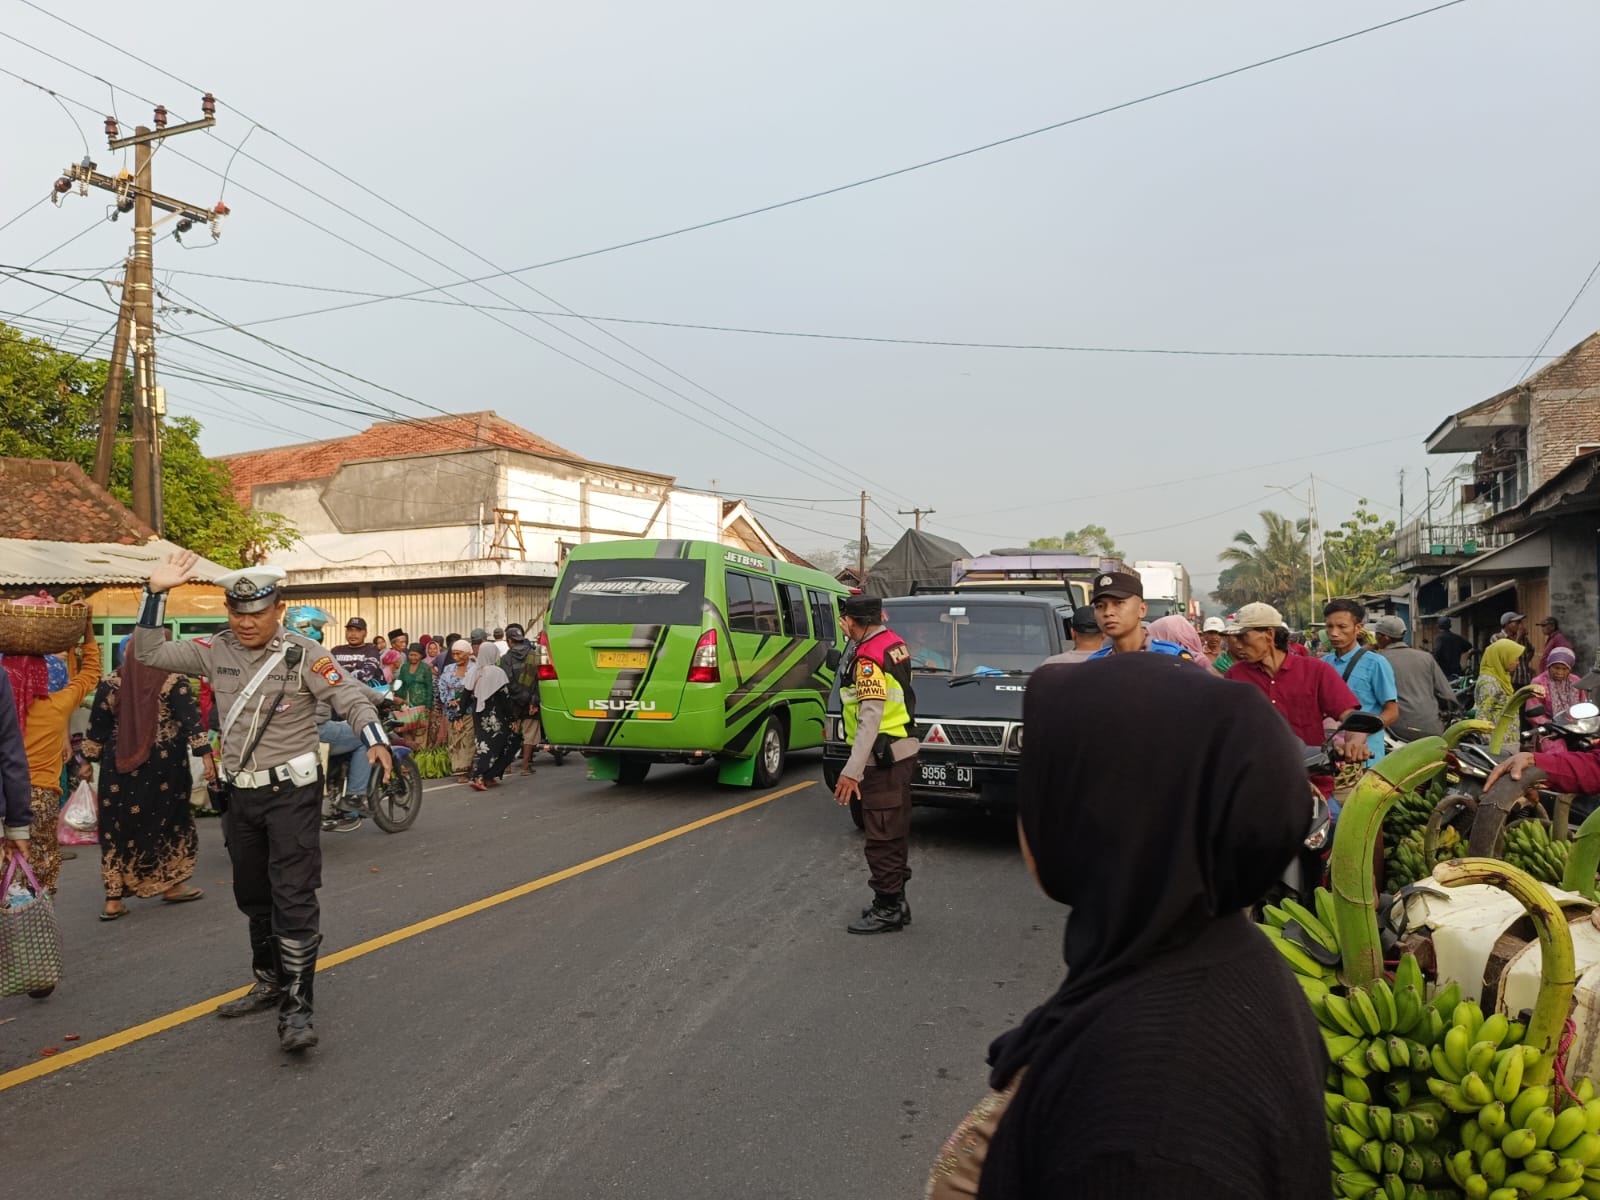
(79, 821)
(30, 939)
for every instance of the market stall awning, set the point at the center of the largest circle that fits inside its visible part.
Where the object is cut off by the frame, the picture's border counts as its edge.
(25, 561)
(1476, 598)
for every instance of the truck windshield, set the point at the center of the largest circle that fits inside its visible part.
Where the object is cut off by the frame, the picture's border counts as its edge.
(960, 638)
(1159, 607)
(631, 591)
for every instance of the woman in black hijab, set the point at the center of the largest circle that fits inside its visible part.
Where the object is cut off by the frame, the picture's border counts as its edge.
(1179, 1058)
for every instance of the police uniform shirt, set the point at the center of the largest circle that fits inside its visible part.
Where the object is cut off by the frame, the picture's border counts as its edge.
(230, 667)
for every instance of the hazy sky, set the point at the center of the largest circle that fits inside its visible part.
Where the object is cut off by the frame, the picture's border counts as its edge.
(1428, 188)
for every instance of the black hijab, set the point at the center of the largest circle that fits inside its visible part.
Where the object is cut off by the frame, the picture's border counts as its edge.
(1155, 799)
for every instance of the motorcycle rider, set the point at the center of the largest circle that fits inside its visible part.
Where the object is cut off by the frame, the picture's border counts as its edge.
(358, 658)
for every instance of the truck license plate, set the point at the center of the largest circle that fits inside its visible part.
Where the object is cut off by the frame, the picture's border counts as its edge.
(948, 775)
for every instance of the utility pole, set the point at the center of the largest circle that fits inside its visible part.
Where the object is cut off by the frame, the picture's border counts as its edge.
(134, 193)
(111, 398)
(861, 545)
(918, 513)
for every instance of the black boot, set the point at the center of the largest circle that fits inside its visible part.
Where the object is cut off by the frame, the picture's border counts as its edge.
(886, 915)
(905, 908)
(268, 988)
(299, 958)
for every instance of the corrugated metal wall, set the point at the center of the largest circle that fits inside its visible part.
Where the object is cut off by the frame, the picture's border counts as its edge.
(437, 610)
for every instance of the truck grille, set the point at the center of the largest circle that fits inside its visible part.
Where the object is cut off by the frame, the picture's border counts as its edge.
(967, 735)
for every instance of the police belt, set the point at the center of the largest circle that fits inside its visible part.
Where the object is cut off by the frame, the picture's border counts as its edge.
(297, 772)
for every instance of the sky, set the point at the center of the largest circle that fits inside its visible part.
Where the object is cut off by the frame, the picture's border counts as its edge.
(1424, 189)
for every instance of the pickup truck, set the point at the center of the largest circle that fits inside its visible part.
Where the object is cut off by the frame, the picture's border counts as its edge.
(971, 656)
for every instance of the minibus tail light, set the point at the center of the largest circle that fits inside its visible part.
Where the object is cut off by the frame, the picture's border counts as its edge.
(541, 650)
(703, 666)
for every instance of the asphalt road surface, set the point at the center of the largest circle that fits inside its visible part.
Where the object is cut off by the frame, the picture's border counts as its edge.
(680, 1018)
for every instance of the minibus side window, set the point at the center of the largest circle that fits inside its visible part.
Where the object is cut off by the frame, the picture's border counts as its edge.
(794, 610)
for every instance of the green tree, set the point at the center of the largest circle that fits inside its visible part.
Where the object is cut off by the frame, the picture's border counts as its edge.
(1091, 539)
(50, 408)
(1275, 568)
(1360, 554)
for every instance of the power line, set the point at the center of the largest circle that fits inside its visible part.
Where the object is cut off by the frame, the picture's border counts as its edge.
(871, 179)
(24, 212)
(1561, 320)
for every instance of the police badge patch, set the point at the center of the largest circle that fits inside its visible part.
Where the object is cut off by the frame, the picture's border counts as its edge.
(325, 667)
(898, 654)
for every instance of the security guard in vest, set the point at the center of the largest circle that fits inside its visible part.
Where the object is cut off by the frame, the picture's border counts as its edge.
(879, 721)
(268, 682)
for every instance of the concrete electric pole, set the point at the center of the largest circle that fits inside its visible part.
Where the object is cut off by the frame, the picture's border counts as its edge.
(918, 513)
(136, 326)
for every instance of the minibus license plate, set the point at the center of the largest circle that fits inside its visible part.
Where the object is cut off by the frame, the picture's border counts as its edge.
(935, 774)
(623, 659)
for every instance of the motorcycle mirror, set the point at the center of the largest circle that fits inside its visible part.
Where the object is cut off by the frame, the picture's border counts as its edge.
(1584, 711)
(1361, 722)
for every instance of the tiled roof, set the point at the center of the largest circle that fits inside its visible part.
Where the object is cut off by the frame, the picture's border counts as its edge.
(57, 502)
(389, 439)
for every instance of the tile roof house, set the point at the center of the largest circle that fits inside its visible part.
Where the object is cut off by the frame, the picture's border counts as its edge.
(388, 439)
(57, 502)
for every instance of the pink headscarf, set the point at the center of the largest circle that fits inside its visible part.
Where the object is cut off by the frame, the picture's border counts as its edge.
(1173, 628)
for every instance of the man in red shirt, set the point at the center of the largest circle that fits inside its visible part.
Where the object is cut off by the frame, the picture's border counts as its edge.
(1307, 691)
(1566, 772)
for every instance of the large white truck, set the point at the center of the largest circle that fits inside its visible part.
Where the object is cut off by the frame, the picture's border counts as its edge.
(1166, 589)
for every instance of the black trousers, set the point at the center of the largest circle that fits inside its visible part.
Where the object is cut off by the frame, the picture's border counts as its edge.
(274, 838)
(886, 808)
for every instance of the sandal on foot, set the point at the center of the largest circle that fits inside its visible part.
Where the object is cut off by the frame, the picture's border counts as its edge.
(478, 785)
(114, 916)
(193, 893)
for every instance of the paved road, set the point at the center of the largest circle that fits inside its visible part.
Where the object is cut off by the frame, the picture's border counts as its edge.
(687, 1020)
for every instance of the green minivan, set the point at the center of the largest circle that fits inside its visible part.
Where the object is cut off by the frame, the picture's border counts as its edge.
(686, 651)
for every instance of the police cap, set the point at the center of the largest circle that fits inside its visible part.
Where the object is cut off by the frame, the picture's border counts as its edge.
(1084, 620)
(1119, 585)
(251, 590)
(868, 609)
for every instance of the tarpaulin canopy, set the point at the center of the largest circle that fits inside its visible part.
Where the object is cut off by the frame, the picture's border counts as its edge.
(917, 558)
(26, 561)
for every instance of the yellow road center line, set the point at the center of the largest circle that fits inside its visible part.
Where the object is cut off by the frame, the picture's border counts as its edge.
(137, 1033)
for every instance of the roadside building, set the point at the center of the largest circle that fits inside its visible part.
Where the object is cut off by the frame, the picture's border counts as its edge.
(463, 520)
(72, 538)
(1510, 536)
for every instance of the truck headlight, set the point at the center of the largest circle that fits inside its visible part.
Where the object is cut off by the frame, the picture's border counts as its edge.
(1014, 742)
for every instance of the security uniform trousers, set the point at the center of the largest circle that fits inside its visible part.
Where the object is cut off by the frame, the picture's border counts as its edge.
(274, 839)
(886, 812)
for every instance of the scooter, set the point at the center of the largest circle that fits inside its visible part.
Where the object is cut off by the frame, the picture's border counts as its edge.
(1306, 870)
(393, 803)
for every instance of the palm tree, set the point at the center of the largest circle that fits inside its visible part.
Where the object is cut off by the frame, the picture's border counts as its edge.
(1275, 569)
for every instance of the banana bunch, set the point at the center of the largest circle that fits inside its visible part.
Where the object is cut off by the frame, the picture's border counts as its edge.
(1306, 940)
(1528, 845)
(1411, 810)
(434, 762)
(1515, 1145)
(1404, 862)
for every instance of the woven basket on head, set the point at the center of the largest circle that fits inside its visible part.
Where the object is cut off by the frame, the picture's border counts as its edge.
(41, 628)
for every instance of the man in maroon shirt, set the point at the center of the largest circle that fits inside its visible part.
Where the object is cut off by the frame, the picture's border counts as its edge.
(1566, 772)
(1307, 691)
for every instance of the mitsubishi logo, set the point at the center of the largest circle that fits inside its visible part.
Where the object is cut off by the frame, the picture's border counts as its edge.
(936, 737)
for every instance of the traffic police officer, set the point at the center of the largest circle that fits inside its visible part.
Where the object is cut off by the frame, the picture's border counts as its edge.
(879, 722)
(268, 682)
(1120, 608)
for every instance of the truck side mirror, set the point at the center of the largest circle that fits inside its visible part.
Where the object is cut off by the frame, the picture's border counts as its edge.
(833, 658)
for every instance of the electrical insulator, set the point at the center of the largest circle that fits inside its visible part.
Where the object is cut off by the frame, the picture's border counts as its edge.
(161, 116)
(208, 104)
(63, 185)
(185, 224)
(221, 209)
(124, 203)
(111, 129)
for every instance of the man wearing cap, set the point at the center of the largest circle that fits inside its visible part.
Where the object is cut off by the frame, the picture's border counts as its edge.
(1511, 626)
(522, 675)
(1087, 640)
(267, 681)
(1553, 637)
(1423, 691)
(358, 658)
(1307, 691)
(1212, 642)
(1448, 648)
(880, 723)
(1119, 608)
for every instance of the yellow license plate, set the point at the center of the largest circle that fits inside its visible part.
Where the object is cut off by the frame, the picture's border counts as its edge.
(623, 659)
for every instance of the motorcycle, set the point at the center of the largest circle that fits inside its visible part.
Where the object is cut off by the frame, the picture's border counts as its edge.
(1307, 869)
(393, 803)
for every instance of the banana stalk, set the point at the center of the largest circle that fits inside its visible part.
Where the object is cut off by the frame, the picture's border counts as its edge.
(1557, 972)
(1355, 839)
(1453, 735)
(1561, 816)
(1584, 860)
(1446, 811)
(1509, 717)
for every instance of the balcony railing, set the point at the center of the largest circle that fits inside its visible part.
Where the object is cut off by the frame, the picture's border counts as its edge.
(1420, 540)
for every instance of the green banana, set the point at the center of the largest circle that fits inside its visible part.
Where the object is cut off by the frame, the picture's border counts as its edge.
(1383, 1001)
(1494, 1029)
(1345, 1139)
(1311, 924)
(1356, 1089)
(1519, 1143)
(1443, 1068)
(1480, 1058)
(1339, 1010)
(1444, 1003)
(1323, 899)
(1394, 1157)
(1377, 1056)
(1361, 1003)
(1477, 1092)
(1370, 1156)
(1354, 1114)
(1525, 1103)
(1399, 1051)
(1409, 971)
(1408, 1006)
(1382, 1121)
(1457, 1042)
(1541, 1123)
(1339, 1044)
(1508, 1079)
(1492, 1119)
(1398, 1092)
